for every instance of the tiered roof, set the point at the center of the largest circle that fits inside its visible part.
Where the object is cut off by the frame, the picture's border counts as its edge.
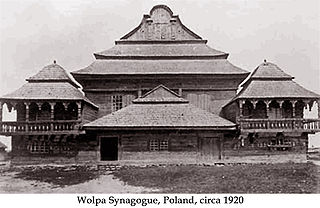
(50, 83)
(161, 108)
(161, 44)
(269, 81)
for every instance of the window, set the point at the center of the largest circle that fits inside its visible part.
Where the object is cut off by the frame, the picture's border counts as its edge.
(116, 102)
(38, 147)
(159, 145)
(154, 145)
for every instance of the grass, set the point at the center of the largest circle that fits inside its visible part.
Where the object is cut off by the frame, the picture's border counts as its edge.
(250, 178)
(58, 176)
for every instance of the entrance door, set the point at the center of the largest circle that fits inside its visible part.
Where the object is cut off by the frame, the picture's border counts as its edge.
(109, 148)
(210, 146)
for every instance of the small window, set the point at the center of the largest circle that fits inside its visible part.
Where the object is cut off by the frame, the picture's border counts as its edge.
(164, 145)
(116, 102)
(159, 145)
(154, 145)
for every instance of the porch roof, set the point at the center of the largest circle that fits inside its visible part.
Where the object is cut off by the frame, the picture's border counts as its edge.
(47, 91)
(275, 89)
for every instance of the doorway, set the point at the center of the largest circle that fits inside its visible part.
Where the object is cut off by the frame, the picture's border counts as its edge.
(109, 148)
(210, 146)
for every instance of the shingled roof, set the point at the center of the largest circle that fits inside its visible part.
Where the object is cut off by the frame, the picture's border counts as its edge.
(52, 73)
(161, 108)
(269, 81)
(160, 44)
(51, 83)
(130, 67)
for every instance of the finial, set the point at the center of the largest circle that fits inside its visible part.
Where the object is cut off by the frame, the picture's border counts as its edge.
(54, 61)
(265, 61)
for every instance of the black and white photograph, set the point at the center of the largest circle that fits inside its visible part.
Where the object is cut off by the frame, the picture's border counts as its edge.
(160, 97)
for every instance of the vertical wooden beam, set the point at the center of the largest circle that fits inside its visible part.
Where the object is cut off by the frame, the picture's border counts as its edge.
(79, 110)
(180, 92)
(241, 108)
(293, 108)
(1, 111)
(27, 110)
(318, 102)
(52, 111)
(267, 102)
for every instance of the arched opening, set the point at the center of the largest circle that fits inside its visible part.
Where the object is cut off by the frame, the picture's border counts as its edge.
(260, 110)
(33, 112)
(299, 106)
(247, 109)
(21, 112)
(274, 110)
(72, 112)
(44, 114)
(59, 112)
(287, 110)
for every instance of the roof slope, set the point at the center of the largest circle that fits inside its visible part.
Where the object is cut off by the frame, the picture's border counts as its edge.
(269, 70)
(52, 73)
(269, 81)
(51, 83)
(218, 66)
(157, 50)
(165, 113)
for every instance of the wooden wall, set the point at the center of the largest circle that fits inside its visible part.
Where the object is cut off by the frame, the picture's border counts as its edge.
(208, 93)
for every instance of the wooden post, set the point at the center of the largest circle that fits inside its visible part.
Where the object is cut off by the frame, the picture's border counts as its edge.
(27, 116)
(52, 111)
(241, 108)
(293, 108)
(1, 111)
(180, 92)
(79, 110)
(139, 93)
(268, 107)
(318, 102)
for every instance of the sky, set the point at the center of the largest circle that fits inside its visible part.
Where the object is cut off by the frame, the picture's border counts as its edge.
(33, 33)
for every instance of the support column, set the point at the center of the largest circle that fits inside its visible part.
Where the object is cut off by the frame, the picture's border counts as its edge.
(241, 108)
(79, 110)
(268, 107)
(180, 92)
(1, 111)
(318, 102)
(254, 103)
(27, 110)
(27, 116)
(293, 108)
(139, 92)
(52, 111)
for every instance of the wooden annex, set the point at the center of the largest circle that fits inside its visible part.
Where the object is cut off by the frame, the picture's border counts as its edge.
(161, 94)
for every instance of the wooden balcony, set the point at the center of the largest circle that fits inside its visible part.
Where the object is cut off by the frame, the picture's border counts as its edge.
(280, 125)
(10, 128)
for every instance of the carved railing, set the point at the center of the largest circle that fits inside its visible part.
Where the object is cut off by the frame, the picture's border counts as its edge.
(280, 124)
(13, 127)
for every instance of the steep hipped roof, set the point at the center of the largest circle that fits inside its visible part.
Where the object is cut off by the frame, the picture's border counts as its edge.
(159, 109)
(129, 67)
(51, 83)
(52, 73)
(269, 81)
(268, 70)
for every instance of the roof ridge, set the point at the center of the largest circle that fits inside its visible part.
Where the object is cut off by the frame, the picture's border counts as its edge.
(53, 73)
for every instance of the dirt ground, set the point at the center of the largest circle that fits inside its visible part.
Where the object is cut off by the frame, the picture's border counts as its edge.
(11, 181)
(71, 179)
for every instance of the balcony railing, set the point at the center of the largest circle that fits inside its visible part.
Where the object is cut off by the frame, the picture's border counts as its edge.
(32, 127)
(286, 124)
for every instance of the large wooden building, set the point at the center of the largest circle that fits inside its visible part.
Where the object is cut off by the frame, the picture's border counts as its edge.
(161, 93)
